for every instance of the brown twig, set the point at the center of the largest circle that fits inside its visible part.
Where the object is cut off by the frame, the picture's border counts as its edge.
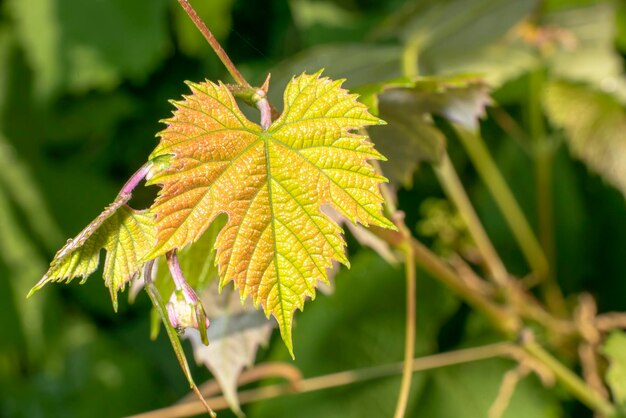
(219, 51)
(585, 316)
(339, 379)
(258, 372)
(507, 389)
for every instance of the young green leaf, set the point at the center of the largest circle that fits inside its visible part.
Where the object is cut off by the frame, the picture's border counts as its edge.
(277, 243)
(126, 234)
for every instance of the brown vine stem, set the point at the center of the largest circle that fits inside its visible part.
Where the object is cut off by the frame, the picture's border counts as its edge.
(219, 51)
(340, 379)
(259, 372)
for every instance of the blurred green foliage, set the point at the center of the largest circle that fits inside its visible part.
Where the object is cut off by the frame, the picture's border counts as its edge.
(83, 85)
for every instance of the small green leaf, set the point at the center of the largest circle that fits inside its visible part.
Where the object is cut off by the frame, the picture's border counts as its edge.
(126, 234)
(614, 349)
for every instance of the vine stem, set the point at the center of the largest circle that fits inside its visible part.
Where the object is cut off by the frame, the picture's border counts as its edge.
(543, 153)
(453, 187)
(135, 179)
(219, 51)
(409, 343)
(574, 384)
(492, 177)
(343, 378)
(503, 319)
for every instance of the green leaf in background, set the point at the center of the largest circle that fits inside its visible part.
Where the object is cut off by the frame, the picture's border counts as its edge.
(20, 200)
(352, 61)
(586, 37)
(81, 45)
(216, 14)
(465, 36)
(125, 233)
(411, 137)
(594, 125)
(469, 390)
(614, 349)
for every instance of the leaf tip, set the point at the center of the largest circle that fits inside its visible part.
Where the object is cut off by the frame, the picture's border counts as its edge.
(41, 283)
(285, 333)
(32, 291)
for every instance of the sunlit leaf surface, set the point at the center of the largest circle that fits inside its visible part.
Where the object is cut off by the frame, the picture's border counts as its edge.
(126, 234)
(277, 242)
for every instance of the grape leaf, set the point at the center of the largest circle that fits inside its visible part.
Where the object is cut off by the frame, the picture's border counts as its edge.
(614, 348)
(589, 38)
(411, 137)
(126, 234)
(235, 333)
(277, 243)
(594, 123)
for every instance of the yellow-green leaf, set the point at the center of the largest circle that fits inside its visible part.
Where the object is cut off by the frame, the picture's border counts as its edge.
(277, 242)
(126, 234)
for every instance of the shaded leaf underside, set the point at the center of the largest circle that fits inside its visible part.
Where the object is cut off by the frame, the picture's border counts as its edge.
(277, 243)
(594, 123)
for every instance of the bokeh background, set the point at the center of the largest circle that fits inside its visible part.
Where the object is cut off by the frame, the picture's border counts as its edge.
(83, 85)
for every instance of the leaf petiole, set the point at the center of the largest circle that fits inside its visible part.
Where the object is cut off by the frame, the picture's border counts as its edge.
(135, 179)
(155, 297)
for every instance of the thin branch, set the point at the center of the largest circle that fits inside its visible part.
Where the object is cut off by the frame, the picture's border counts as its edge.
(610, 321)
(502, 318)
(585, 316)
(258, 372)
(510, 127)
(409, 345)
(507, 389)
(453, 187)
(135, 179)
(219, 51)
(500, 191)
(572, 382)
(339, 379)
(543, 158)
